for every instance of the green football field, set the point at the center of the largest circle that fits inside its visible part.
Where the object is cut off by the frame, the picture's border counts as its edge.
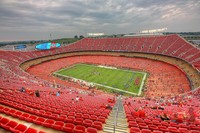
(108, 77)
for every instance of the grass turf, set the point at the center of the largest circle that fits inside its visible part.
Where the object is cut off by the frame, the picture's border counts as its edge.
(117, 78)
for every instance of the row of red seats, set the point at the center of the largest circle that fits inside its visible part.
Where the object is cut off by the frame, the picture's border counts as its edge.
(15, 127)
(162, 126)
(162, 130)
(78, 111)
(86, 124)
(33, 105)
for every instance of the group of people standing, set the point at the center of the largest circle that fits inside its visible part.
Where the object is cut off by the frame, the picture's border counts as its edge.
(31, 92)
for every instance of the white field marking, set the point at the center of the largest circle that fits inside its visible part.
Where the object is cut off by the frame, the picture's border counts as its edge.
(142, 84)
(113, 88)
(107, 67)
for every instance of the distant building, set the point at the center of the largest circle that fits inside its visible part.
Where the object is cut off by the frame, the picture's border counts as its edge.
(95, 34)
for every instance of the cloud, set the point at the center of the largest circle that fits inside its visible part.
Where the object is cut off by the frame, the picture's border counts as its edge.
(34, 19)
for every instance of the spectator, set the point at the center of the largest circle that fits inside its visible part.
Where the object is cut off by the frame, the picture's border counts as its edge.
(37, 93)
(136, 113)
(164, 117)
(58, 93)
(108, 107)
(22, 89)
(72, 100)
(141, 113)
(77, 98)
(178, 118)
(81, 99)
(191, 115)
(161, 107)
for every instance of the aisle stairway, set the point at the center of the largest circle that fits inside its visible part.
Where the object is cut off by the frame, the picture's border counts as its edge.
(121, 122)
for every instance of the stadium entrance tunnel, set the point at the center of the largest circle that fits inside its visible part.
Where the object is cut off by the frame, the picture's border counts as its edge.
(164, 77)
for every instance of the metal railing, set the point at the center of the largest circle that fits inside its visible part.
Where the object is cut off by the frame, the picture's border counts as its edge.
(116, 116)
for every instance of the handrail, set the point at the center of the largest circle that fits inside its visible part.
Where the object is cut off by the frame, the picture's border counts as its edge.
(116, 115)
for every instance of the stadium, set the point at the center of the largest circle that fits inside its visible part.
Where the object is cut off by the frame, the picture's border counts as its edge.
(171, 87)
(88, 66)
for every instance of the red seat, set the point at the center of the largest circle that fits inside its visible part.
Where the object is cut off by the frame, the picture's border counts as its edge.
(147, 121)
(58, 125)
(172, 124)
(155, 131)
(93, 117)
(97, 114)
(3, 121)
(139, 120)
(31, 130)
(11, 112)
(6, 110)
(104, 115)
(163, 128)
(142, 126)
(47, 114)
(41, 132)
(87, 123)
(86, 116)
(70, 119)
(91, 130)
(145, 131)
(17, 114)
(164, 123)
(134, 130)
(184, 126)
(54, 116)
(62, 117)
(132, 124)
(24, 116)
(194, 131)
(183, 130)
(194, 127)
(31, 118)
(101, 119)
(97, 125)
(71, 114)
(69, 128)
(19, 128)
(173, 129)
(79, 129)
(11, 124)
(78, 121)
(78, 115)
(48, 123)
(153, 127)
(131, 118)
(156, 122)
(39, 121)
(1, 109)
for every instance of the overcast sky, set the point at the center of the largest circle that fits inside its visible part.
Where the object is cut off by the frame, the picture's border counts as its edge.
(36, 19)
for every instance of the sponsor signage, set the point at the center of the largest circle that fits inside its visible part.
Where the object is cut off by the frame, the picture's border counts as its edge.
(20, 46)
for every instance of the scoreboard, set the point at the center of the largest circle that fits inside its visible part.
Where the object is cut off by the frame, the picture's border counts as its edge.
(48, 45)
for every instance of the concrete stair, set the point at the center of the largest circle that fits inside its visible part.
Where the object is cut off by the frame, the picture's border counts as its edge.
(117, 114)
